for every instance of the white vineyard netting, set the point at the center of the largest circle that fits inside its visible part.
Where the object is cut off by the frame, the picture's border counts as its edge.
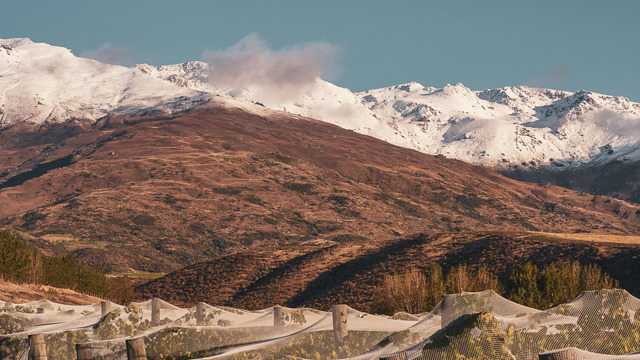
(596, 325)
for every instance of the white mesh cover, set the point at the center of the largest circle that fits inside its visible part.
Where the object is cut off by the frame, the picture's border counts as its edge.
(596, 325)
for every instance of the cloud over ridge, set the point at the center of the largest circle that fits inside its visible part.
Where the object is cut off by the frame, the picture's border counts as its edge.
(273, 75)
(111, 54)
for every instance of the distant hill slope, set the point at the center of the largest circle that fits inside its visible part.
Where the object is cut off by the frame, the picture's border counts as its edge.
(157, 193)
(619, 179)
(348, 272)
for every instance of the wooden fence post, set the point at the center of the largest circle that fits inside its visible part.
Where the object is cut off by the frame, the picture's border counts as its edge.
(339, 323)
(201, 313)
(155, 312)
(278, 317)
(136, 349)
(37, 348)
(84, 352)
(105, 307)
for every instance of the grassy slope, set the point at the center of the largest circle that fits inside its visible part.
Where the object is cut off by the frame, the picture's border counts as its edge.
(21, 293)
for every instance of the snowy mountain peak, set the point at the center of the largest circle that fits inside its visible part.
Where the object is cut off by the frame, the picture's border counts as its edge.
(521, 97)
(41, 83)
(192, 74)
(15, 42)
(457, 89)
(510, 126)
(410, 87)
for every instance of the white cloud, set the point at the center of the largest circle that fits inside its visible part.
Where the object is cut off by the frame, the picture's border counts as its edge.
(110, 54)
(558, 77)
(272, 76)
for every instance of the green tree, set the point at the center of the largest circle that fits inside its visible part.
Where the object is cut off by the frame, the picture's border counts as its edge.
(524, 285)
(21, 263)
(61, 272)
(552, 286)
(570, 273)
(16, 258)
(592, 278)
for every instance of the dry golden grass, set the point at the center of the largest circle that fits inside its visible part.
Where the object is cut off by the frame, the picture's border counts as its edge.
(21, 293)
(58, 237)
(590, 237)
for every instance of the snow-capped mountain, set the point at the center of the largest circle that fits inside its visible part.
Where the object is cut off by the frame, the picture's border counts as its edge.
(512, 126)
(507, 128)
(42, 83)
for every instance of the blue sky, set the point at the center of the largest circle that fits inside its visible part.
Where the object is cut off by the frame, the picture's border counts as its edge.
(567, 45)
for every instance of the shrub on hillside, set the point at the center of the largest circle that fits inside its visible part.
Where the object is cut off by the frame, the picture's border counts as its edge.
(415, 291)
(403, 292)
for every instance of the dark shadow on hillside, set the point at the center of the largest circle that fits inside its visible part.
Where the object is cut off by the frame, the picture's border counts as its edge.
(335, 277)
(36, 172)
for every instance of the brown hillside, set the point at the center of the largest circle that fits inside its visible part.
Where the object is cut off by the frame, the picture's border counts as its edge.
(156, 194)
(325, 277)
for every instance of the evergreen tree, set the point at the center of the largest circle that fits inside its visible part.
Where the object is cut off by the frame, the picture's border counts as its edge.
(15, 258)
(552, 286)
(571, 272)
(592, 278)
(21, 263)
(524, 285)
